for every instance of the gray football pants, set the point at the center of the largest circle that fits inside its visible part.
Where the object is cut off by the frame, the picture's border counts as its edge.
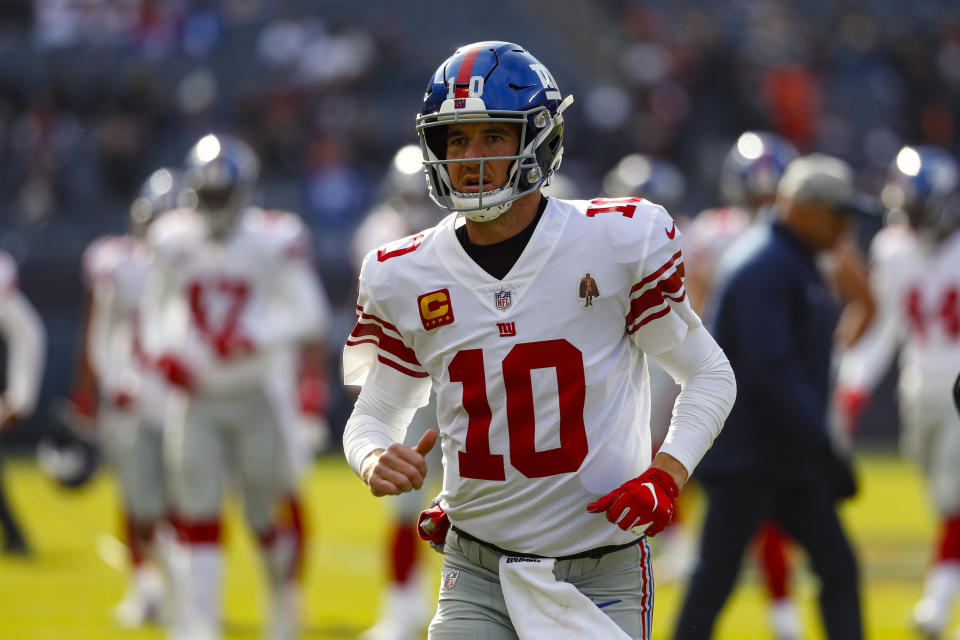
(135, 451)
(472, 605)
(215, 439)
(931, 437)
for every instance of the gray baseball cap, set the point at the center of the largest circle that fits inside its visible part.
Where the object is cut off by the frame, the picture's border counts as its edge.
(820, 179)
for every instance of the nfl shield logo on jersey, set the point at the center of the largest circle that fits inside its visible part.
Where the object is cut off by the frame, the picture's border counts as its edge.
(449, 579)
(502, 299)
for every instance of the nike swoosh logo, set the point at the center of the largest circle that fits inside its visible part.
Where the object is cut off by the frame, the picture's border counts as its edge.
(672, 231)
(601, 605)
(649, 485)
(517, 88)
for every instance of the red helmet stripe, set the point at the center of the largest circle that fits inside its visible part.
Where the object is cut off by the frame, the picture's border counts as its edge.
(466, 69)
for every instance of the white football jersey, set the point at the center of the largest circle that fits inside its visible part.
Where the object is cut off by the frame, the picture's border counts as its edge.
(541, 378)
(918, 307)
(711, 233)
(25, 336)
(230, 308)
(115, 272)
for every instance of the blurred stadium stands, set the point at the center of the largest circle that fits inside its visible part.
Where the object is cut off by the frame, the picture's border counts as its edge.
(94, 94)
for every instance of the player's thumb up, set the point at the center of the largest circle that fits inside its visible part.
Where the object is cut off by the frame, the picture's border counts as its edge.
(427, 442)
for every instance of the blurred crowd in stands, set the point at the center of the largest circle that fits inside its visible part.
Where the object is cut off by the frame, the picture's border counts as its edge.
(95, 94)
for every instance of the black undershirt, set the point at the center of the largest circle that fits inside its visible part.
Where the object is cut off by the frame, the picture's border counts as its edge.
(498, 258)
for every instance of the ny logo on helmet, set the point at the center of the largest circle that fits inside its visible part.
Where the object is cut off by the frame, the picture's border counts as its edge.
(546, 79)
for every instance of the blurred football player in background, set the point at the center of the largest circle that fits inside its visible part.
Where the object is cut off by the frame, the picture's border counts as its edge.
(915, 273)
(25, 338)
(549, 490)
(231, 301)
(407, 604)
(122, 397)
(749, 175)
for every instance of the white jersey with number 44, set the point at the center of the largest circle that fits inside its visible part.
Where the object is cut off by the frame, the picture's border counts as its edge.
(918, 292)
(541, 380)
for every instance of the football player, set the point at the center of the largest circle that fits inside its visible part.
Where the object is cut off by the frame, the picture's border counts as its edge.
(916, 281)
(542, 403)
(25, 337)
(231, 300)
(117, 390)
(406, 605)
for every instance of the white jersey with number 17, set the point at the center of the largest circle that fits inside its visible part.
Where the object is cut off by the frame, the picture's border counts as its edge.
(541, 379)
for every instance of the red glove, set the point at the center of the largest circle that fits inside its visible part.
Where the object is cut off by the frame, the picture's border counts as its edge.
(646, 503)
(175, 371)
(313, 395)
(433, 525)
(84, 401)
(850, 403)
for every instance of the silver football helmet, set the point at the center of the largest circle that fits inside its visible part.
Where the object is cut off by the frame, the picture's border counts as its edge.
(221, 176)
(923, 189)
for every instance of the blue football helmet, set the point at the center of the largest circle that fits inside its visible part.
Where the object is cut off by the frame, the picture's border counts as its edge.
(502, 82)
(221, 176)
(922, 188)
(753, 167)
(159, 193)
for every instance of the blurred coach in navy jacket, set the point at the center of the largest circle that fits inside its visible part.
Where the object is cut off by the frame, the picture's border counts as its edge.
(775, 319)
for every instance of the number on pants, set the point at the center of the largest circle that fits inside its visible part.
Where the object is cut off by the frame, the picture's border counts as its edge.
(478, 461)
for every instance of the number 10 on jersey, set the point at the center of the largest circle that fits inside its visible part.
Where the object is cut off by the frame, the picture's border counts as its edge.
(477, 461)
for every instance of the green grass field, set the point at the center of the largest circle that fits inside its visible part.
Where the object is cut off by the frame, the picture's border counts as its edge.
(66, 591)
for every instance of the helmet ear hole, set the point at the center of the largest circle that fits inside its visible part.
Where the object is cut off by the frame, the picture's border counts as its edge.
(555, 142)
(436, 139)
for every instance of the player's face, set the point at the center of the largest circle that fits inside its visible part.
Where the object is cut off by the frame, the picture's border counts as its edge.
(481, 140)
